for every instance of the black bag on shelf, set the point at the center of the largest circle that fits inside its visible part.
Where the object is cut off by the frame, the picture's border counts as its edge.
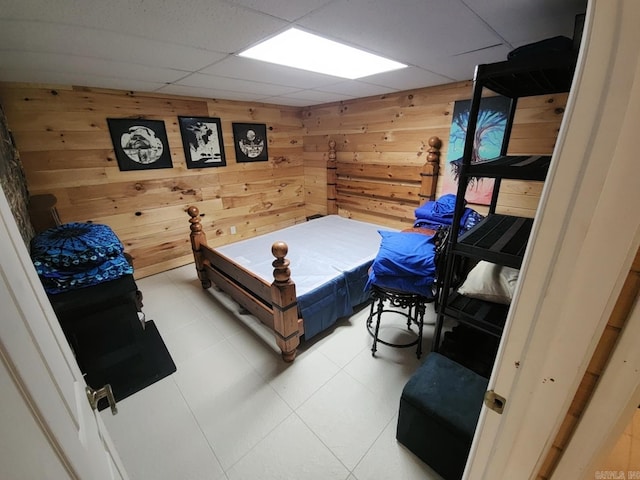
(543, 47)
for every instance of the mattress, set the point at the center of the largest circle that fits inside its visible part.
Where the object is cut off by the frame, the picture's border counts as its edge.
(330, 257)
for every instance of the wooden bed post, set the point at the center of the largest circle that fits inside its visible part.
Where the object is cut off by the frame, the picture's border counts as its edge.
(429, 175)
(332, 179)
(284, 303)
(198, 238)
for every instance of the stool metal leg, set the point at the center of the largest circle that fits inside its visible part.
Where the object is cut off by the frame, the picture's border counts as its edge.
(375, 335)
(420, 311)
(410, 315)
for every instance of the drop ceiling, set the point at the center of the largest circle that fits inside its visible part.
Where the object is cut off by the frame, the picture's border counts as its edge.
(189, 47)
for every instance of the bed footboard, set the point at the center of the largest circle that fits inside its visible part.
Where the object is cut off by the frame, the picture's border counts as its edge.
(273, 304)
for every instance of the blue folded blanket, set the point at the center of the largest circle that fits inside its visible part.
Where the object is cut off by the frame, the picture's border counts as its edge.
(436, 213)
(76, 255)
(405, 261)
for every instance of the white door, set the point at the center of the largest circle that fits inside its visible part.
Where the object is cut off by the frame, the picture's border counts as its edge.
(47, 425)
(584, 239)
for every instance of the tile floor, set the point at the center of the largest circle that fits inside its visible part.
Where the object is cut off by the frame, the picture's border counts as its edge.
(235, 411)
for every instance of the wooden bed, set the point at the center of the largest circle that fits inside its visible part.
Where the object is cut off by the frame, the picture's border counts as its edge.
(364, 186)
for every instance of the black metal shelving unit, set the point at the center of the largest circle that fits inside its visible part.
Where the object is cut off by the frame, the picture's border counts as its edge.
(500, 239)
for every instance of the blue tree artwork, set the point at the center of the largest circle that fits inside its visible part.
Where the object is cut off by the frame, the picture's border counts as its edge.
(487, 142)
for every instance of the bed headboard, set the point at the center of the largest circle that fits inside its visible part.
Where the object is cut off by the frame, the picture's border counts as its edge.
(367, 190)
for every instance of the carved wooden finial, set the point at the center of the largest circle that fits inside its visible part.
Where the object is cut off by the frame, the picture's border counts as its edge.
(281, 272)
(433, 154)
(196, 226)
(430, 170)
(193, 211)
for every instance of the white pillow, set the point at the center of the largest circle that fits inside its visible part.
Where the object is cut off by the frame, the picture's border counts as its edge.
(490, 282)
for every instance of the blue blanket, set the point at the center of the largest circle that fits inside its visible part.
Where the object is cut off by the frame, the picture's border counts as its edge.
(437, 213)
(406, 262)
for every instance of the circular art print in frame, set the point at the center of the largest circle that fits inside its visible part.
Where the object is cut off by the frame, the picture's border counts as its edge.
(140, 144)
(250, 140)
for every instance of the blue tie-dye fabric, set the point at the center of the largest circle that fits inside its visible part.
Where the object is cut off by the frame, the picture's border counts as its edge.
(76, 255)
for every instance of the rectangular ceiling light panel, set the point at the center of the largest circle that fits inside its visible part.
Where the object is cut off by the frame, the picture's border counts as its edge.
(298, 49)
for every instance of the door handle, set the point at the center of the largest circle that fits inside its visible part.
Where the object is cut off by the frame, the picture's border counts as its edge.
(95, 396)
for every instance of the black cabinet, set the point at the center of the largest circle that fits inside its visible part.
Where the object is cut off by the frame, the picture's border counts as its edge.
(104, 324)
(499, 239)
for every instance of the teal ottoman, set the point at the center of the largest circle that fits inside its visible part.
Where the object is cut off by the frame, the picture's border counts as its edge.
(439, 410)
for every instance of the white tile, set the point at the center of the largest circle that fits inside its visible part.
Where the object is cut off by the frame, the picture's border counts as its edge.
(169, 312)
(387, 458)
(235, 410)
(153, 283)
(346, 416)
(200, 80)
(87, 42)
(192, 339)
(296, 382)
(222, 309)
(386, 373)
(81, 66)
(407, 78)
(344, 342)
(208, 92)
(145, 433)
(290, 452)
(259, 348)
(239, 67)
(212, 373)
(233, 405)
(185, 273)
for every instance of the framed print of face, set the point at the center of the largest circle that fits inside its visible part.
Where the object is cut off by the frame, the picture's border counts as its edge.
(202, 142)
(250, 141)
(140, 144)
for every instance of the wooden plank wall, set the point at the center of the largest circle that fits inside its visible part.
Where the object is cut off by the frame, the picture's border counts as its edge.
(65, 146)
(393, 130)
(64, 143)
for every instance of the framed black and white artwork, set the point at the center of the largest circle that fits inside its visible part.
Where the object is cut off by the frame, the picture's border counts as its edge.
(202, 142)
(250, 140)
(140, 144)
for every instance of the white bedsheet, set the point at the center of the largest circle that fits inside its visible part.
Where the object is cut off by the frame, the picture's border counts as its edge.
(319, 250)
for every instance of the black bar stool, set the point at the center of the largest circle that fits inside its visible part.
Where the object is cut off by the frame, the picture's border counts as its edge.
(410, 305)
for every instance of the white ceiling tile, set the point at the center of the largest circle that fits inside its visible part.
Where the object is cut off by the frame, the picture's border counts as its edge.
(526, 21)
(146, 44)
(407, 78)
(319, 97)
(285, 9)
(86, 66)
(462, 67)
(85, 80)
(210, 24)
(203, 92)
(354, 88)
(234, 85)
(409, 31)
(238, 67)
(43, 37)
(291, 102)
